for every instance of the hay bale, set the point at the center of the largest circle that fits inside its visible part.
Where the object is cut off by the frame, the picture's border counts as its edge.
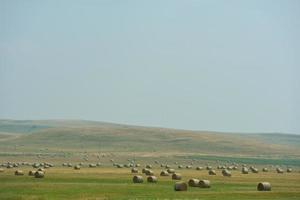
(92, 165)
(199, 168)
(171, 171)
(137, 179)
(265, 169)
(149, 172)
(134, 170)
(1, 170)
(204, 184)
(193, 182)
(208, 167)
(9, 166)
(245, 170)
(180, 186)
(289, 170)
(120, 166)
(39, 174)
(41, 170)
(254, 170)
(149, 166)
(188, 167)
(180, 166)
(77, 167)
(19, 173)
(164, 173)
(152, 179)
(212, 172)
(176, 176)
(264, 186)
(127, 165)
(144, 170)
(226, 172)
(31, 173)
(229, 167)
(279, 170)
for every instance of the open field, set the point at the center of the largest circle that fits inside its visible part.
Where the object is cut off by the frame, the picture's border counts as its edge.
(88, 142)
(112, 183)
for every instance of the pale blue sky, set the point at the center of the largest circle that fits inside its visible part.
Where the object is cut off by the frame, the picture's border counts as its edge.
(208, 65)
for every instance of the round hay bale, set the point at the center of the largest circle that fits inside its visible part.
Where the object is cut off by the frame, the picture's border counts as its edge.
(245, 170)
(77, 167)
(70, 165)
(120, 166)
(127, 165)
(9, 166)
(134, 170)
(289, 170)
(180, 186)
(168, 166)
(212, 172)
(137, 179)
(180, 166)
(193, 182)
(92, 165)
(254, 170)
(188, 167)
(204, 183)
(279, 170)
(171, 171)
(209, 168)
(19, 173)
(152, 179)
(1, 170)
(264, 186)
(226, 172)
(137, 165)
(199, 168)
(176, 176)
(149, 166)
(31, 173)
(41, 170)
(39, 174)
(164, 173)
(265, 169)
(149, 172)
(144, 170)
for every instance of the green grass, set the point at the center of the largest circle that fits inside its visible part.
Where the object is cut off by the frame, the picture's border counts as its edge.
(111, 183)
(70, 141)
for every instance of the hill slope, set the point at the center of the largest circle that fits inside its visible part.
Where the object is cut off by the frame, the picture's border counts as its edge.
(80, 136)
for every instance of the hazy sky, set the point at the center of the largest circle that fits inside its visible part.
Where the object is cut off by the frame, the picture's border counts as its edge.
(207, 65)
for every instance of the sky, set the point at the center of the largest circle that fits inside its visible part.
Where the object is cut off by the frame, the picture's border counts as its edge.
(221, 65)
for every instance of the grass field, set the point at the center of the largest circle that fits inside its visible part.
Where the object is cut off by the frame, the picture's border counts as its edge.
(113, 183)
(90, 142)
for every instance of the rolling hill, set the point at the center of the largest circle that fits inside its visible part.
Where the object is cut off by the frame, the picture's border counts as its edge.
(80, 136)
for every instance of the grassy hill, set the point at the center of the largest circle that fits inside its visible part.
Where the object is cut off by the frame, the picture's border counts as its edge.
(81, 136)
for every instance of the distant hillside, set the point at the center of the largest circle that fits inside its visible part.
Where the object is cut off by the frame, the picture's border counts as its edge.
(80, 136)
